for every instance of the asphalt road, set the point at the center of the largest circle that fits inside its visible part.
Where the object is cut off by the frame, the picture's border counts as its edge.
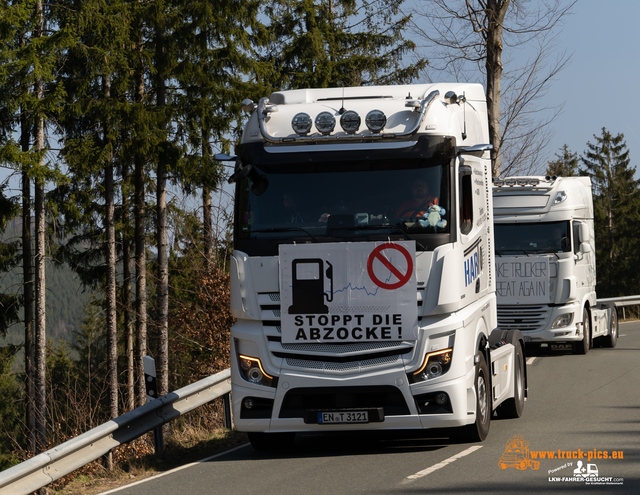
(581, 405)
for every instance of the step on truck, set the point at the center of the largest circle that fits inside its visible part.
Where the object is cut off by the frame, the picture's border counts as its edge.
(546, 263)
(362, 276)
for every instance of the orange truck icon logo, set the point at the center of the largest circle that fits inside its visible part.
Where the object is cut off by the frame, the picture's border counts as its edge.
(516, 455)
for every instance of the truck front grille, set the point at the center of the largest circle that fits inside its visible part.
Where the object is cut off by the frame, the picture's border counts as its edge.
(523, 318)
(299, 400)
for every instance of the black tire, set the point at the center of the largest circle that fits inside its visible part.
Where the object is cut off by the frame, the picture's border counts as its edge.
(512, 408)
(612, 339)
(585, 344)
(478, 431)
(271, 441)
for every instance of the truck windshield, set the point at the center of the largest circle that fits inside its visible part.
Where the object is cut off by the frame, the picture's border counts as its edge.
(345, 202)
(532, 238)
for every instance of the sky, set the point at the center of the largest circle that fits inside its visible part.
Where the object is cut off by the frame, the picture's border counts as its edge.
(597, 86)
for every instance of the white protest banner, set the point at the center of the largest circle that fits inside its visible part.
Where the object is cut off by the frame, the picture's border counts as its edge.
(522, 280)
(348, 292)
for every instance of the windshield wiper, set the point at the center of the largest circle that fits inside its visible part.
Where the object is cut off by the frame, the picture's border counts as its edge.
(285, 229)
(507, 252)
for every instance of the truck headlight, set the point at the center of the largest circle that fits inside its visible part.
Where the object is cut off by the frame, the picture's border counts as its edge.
(562, 320)
(435, 364)
(251, 370)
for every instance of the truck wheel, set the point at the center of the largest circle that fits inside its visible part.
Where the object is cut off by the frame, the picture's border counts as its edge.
(584, 345)
(512, 408)
(612, 339)
(479, 430)
(271, 441)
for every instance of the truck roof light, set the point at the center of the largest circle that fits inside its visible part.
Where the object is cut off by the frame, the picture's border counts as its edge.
(375, 120)
(325, 123)
(350, 122)
(301, 123)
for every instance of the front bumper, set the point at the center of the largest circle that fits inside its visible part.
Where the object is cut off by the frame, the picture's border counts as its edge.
(387, 389)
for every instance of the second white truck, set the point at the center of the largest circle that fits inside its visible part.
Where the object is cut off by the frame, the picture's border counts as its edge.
(546, 263)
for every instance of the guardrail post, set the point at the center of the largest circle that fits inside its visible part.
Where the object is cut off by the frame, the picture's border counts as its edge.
(152, 393)
(226, 401)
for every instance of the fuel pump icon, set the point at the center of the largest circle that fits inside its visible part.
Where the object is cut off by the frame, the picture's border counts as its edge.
(308, 286)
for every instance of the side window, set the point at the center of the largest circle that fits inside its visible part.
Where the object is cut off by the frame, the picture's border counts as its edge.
(466, 199)
(576, 237)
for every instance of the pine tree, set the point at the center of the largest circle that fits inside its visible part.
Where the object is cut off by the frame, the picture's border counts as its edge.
(94, 76)
(31, 45)
(566, 164)
(616, 196)
(333, 43)
(9, 304)
(9, 410)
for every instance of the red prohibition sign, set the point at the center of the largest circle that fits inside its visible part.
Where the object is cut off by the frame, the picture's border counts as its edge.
(403, 278)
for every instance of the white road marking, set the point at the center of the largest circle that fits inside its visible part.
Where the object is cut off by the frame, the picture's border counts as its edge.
(179, 468)
(442, 464)
(531, 360)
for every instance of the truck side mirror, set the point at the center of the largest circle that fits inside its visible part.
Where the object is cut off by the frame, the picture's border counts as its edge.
(585, 247)
(584, 233)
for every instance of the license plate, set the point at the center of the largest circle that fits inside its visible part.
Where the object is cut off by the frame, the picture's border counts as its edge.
(343, 417)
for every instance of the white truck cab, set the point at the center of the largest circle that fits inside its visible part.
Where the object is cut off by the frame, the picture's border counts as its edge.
(362, 277)
(546, 262)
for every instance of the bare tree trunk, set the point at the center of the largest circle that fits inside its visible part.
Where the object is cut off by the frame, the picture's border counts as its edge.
(206, 207)
(161, 229)
(27, 274)
(126, 292)
(206, 221)
(112, 332)
(141, 276)
(496, 10)
(40, 337)
(27, 271)
(163, 282)
(141, 255)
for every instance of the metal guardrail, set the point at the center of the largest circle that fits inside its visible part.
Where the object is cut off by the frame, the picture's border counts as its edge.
(621, 301)
(59, 461)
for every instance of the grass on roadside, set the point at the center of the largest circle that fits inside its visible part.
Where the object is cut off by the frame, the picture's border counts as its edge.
(183, 447)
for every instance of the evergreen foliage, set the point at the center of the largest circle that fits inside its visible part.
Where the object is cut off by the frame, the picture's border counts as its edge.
(334, 43)
(566, 164)
(10, 395)
(616, 198)
(9, 305)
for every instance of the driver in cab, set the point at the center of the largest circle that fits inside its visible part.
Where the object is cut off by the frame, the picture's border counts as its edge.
(418, 204)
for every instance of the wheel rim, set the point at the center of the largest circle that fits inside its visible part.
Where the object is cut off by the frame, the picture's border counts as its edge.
(482, 397)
